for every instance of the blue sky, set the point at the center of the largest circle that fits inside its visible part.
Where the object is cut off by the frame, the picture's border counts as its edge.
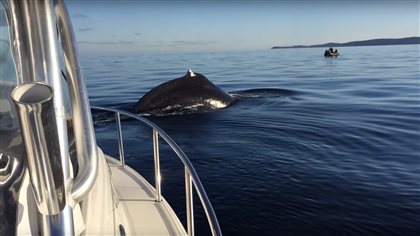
(194, 26)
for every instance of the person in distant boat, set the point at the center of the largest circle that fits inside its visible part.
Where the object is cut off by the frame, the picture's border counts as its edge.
(326, 53)
(331, 52)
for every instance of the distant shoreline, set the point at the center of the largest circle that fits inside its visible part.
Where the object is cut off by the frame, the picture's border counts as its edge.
(370, 42)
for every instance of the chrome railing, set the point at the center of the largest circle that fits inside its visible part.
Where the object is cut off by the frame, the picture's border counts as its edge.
(84, 133)
(35, 30)
(191, 177)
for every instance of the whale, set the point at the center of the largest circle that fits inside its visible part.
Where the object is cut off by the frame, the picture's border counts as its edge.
(192, 92)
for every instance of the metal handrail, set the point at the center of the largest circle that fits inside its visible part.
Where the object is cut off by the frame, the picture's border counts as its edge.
(87, 153)
(190, 173)
(36, 54)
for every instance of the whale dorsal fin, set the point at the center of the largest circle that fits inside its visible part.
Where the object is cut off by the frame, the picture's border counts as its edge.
(191, 73)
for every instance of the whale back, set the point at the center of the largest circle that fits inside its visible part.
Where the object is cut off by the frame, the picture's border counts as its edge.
(192, 91)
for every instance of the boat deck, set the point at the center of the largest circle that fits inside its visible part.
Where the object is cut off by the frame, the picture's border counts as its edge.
(138, 211)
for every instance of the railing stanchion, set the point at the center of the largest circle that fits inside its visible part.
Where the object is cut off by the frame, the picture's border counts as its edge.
(191, 177)
(120, 140)
(157, 164)
(189, 202)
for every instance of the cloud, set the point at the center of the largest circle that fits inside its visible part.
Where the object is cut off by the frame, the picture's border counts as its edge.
(138, 34)
(189, 43)
(180, 43)
(84, 29)
(120, 42)
(80, 16)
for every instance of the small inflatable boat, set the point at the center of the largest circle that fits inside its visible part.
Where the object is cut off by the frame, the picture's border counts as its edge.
(328, 53)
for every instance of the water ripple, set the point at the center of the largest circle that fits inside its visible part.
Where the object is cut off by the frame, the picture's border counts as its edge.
(333, 148)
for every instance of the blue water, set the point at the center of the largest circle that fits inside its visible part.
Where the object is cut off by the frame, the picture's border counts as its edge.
(334, 151)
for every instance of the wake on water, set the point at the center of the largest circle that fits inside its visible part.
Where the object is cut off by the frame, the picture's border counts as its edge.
(205, 106)
(263, 93)
(212, 105)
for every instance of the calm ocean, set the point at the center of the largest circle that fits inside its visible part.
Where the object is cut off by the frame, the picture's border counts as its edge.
(326, 146)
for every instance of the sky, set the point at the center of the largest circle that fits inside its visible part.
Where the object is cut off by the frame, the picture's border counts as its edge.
(211, 26)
